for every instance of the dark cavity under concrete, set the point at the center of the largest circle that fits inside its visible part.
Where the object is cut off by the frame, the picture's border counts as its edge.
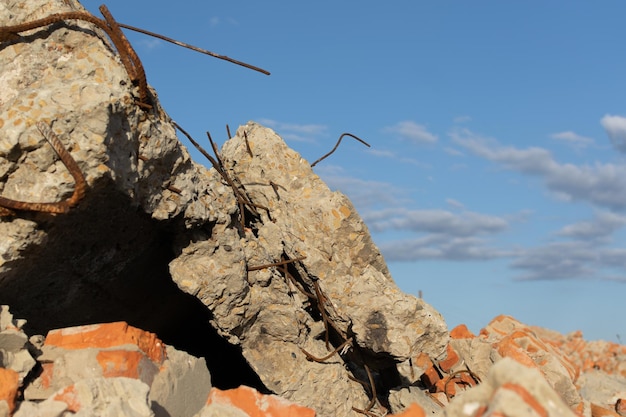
(108, 261)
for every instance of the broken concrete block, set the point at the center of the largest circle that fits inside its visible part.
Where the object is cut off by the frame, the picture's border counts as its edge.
(178, 382)
(94, 397)
(515, 340)
(334, 280)
(47, 408)
(413, 410)
(181, 386)
(102, 350)
(510, 389)
(401, 400)
(107, 335)
(99, 397)
(602, 389)
(14, 352)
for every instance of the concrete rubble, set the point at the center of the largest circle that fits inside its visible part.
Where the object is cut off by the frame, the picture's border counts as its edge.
(164, 288)
(114, 369)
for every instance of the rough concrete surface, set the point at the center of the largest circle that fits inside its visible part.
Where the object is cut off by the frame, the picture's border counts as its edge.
(252, 268)
(152, 217)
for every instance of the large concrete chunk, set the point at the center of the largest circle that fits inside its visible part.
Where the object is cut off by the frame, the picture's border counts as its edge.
(306, 219)
(330, 277)
(510, 389)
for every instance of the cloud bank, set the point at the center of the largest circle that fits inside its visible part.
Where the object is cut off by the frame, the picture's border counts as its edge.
(615, 127)
(601, 184)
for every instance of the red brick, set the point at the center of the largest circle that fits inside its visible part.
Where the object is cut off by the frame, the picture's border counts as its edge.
(108, 335)
(9, 383)
(69, 397)
(430, 376)
(461, 332)
(452, 358)
(47, 374)
(597, 411)
(507, 348)
(447, 386)
(255, 404)
(499, 325)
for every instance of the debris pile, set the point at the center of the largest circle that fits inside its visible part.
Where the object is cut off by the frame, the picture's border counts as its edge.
(118, 370)
(153, 285)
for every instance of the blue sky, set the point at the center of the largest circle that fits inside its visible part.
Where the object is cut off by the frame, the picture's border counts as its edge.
(496, 180)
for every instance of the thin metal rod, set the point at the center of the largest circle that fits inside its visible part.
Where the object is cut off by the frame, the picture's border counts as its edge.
(285, 262)
(337, 145)
(193, 48)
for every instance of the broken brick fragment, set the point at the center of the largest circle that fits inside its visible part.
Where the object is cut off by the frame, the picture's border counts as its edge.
(128, 363)
(108, 335)
(507, 347)
(254, 404)
(9, 383)
(69, 396)
(461, 332)
(598, 411)
(452, 358)
(430, 376)
(451, 384)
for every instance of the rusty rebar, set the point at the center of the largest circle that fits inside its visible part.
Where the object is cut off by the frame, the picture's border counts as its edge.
(127, 54)
(194, 48)
(330, 355)
(284, 262)
(337, 145)
(80, 185)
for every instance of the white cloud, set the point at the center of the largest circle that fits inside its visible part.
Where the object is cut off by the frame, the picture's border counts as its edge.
(599, 184)
(294, 131)
(614, 257)
(441, 247)
(455, 203)
(452, 151)
(573, 139)
(364, 194)
(559, 260)
(575, 259)
(413, 132)
(615, 127)
(586, 254)
(603, 225)
(435, 221)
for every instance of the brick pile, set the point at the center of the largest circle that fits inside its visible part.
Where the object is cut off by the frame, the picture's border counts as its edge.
(508, 369)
